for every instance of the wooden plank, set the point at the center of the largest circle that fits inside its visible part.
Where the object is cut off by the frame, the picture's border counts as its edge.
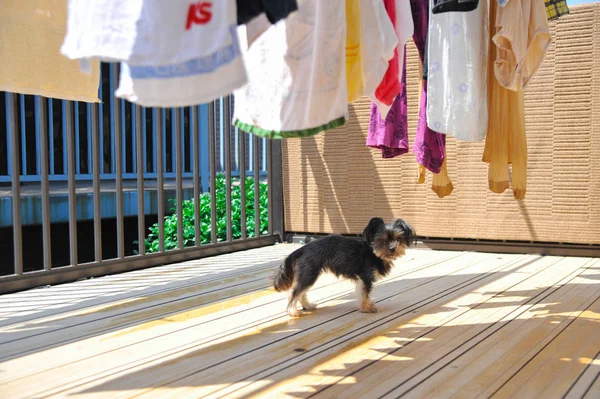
(42, 303)
(548, 368)
(586, 379)
(191, 329)
(486, 365)
(320, 339)
(504, 344)
(401, 351)
(225, 357)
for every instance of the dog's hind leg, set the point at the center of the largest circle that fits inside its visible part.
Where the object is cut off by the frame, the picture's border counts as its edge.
(365, 303)
(305, 279)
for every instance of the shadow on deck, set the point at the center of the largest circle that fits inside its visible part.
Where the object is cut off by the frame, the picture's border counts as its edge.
(449, 324)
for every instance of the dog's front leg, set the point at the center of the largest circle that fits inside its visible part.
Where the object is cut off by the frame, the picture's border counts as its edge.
(365, 303)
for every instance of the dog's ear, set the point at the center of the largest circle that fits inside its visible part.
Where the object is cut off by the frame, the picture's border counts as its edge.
(373, 228)
(407, 230)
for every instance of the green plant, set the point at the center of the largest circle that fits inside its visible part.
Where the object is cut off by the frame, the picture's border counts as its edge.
(189, 232)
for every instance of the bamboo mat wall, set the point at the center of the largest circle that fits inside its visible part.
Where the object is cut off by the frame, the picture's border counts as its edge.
(333, 183)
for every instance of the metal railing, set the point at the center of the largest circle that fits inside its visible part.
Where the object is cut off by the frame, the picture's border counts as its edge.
(30, 122)
(150, 147)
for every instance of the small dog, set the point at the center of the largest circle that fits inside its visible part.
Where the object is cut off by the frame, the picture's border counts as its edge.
(363, 261)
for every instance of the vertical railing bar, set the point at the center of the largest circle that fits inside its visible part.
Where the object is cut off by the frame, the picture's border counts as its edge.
(134, 127)
(182, 141)
(250, 153)
(213, 174)
(139, 131)
(41, 133)
(96, 154)
(270, 186)
(227, 122)
(113, 121)
(51, 134)
(23, 135)
(77, 138)
(101, 124)
(158, 124)
(13, 138)
(276, 211)
(164, 136)
(37, 118)
(256, 187)
(123, 138)
(221, 134)
(70, 154)
(118, 166)
(88, 107)
(194, 124)
(177, 131)
(264, 155)
(242, 168)
(237, 139)
(154, 141)
(174, 141)
(63, 107)
(144, 140)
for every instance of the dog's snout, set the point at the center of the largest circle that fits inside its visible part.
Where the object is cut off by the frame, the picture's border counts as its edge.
(392, 247)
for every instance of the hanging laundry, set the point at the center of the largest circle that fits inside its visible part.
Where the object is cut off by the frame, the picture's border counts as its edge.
(442, 6)
(389, 87)
(147, 32)
(377, 45)
(390, 134)
(296, 74)
(190, 83)
(505, 142)
(556, 9)
(429, 146)
(522, 39)
(33, 64)
(457, 73)
(275, 10)
(354, 73)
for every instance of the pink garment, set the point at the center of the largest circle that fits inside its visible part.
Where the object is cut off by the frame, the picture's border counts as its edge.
(391, 135)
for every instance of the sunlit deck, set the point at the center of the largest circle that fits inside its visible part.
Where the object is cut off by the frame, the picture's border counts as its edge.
(449, 324)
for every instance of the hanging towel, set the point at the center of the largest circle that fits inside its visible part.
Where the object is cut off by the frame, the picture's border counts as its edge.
(457, 73)
(147, 32)
(522, 40)
(31, 33)
(275, 10)
(190, 83)
(378, 43)
(354, 73)
(296, 74)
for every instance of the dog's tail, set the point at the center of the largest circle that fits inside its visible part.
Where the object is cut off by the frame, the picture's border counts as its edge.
(284, 277)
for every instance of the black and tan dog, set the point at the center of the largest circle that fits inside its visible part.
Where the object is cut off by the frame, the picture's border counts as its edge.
(363, 261)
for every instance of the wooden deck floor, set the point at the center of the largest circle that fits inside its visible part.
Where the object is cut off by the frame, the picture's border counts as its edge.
(450, 324)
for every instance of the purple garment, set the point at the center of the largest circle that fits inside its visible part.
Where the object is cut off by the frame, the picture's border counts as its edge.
(391, 135)
(430, 146)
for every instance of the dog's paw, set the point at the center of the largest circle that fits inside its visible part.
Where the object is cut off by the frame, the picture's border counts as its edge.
(368, 308)
(294, 312)
(309, 306)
